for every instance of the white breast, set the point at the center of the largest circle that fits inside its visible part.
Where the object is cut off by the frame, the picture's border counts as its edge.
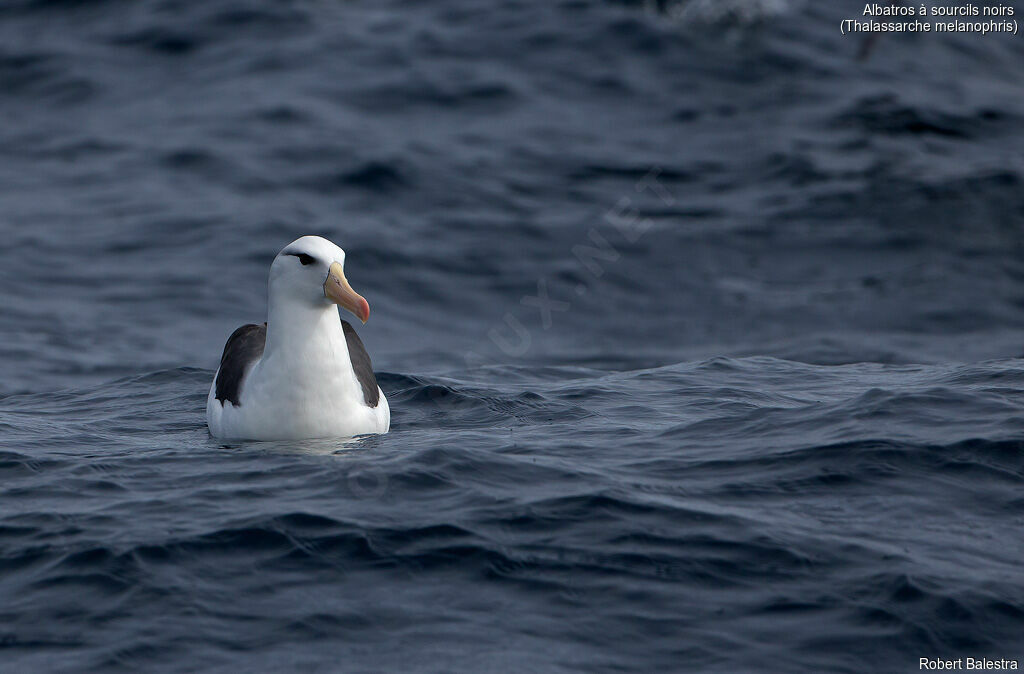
(302, 387)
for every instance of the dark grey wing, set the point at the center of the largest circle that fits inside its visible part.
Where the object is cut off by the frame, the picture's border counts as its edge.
(244, 347)
(361, 365)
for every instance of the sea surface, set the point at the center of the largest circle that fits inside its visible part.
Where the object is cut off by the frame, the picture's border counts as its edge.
(700, 324)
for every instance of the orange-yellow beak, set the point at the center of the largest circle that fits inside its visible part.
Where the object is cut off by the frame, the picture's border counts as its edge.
(337, 290)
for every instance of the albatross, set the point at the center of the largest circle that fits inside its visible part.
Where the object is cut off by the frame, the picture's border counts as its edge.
(304, 373)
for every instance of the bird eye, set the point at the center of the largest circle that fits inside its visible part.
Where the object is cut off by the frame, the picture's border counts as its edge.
(305, 259)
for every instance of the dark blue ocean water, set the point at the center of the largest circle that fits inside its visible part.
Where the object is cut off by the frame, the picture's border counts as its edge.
(699, 322)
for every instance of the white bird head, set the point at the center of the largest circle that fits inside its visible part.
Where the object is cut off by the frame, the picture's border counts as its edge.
(311, 269)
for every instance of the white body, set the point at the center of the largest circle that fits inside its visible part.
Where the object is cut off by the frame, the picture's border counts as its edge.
(304, 385)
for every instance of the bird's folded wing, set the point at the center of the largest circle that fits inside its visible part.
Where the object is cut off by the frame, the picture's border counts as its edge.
(361, 365)
(244, 347)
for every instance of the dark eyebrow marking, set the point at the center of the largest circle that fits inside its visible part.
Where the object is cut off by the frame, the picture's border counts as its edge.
(303, 258)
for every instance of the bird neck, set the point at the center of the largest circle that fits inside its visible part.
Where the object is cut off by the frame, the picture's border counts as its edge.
(309, 335)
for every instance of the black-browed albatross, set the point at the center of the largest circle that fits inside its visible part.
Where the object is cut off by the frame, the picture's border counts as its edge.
(304, 373)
